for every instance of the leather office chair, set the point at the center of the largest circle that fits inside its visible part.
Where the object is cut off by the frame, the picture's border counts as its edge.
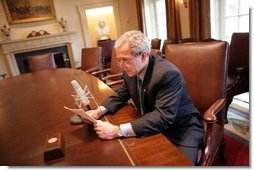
(156, 43)
(107, 48)
(155, 52)
(208, 40)
(204, 68)
(165, 43)
(238, 69)
(41, 62)
(91, 59)
(113, 75)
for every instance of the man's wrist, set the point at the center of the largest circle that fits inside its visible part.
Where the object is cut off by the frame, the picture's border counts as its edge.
(102, 110)
(119, 133)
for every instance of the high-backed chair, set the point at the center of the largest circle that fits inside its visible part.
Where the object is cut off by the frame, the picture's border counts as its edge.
(238, 69)
(165, 43)
(41, 62)
(156, 43)
(107, 48)
(204, 68)
(91, 59)
(155, 52)
(113, 75)
(208, 40)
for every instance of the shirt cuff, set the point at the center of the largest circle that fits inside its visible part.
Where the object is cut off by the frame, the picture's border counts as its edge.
(126, 130)
(103, 110)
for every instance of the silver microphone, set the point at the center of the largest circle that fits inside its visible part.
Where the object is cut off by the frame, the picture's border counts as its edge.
(81, 93)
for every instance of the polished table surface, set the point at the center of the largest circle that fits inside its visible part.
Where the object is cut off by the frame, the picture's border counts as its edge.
(31, 107)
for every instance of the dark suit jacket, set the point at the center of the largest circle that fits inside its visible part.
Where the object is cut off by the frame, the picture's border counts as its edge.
(166, 104)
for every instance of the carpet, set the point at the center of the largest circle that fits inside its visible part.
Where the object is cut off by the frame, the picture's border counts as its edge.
(238, 116)
(236, 153)
(238, 123)
(237, 134)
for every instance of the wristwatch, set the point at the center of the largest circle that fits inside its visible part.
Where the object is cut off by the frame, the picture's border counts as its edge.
(119, 132)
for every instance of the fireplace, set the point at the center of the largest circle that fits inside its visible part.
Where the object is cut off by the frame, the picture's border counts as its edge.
(16, 51)
(60, 53)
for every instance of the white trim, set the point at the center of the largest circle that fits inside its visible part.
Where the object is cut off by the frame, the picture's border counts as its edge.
(83, 17)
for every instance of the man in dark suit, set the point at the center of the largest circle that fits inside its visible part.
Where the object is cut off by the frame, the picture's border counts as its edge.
(158, 90)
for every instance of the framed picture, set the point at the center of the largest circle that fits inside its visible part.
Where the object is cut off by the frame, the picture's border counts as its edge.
(25, 11)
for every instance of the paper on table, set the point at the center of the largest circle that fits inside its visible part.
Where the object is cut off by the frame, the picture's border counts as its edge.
(82, 114)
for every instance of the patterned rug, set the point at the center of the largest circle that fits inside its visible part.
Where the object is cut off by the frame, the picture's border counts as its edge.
(237, 134)
(238, 117)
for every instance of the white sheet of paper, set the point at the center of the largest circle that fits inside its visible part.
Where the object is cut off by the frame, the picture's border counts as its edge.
(82, 113)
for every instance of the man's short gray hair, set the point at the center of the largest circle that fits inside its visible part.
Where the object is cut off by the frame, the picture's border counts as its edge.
(137, 41)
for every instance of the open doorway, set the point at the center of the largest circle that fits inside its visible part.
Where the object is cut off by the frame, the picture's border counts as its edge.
(93, 15)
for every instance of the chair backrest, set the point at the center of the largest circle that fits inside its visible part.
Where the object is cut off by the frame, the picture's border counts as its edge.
(238, 51)
(115, 69)
(107, 48)
(41, 62)
(156, 43)
(187, 40)
(208, 40)
(204, 68)
(165, 43)
(91, 57)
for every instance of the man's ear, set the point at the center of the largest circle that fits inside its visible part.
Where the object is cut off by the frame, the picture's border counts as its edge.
(143, 56)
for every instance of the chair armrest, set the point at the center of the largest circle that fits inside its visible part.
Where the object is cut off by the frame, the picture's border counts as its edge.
(214, 132)
(90, 70)
(240, 71)
(210, 114)
(101, 71)
(156, 52)
(213, 138)
(111, 76)
(115, 82)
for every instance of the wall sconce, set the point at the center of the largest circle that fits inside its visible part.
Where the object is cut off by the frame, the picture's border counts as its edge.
(185, 3)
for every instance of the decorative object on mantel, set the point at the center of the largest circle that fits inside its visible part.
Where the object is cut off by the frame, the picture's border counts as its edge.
(63, 24)
(6, 31)
(39, 33)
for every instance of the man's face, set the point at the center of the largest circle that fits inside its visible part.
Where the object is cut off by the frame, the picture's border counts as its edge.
(130, 63)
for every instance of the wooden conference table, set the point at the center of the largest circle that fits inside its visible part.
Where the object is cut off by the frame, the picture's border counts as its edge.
(31, 106)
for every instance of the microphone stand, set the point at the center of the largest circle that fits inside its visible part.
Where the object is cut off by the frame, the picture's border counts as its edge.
(76, 119)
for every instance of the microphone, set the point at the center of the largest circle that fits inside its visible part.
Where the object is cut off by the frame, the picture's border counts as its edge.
(80, 98)
(81, 94)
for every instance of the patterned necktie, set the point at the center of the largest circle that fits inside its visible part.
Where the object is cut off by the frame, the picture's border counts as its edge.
(139, 88)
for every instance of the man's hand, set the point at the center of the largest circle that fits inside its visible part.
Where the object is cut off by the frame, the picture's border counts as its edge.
(106, 130)
(96, 114)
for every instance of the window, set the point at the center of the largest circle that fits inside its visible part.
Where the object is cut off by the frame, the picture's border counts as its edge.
(229, 16)
(155, 19)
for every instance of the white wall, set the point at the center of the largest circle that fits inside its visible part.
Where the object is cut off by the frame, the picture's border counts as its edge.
(68, 9)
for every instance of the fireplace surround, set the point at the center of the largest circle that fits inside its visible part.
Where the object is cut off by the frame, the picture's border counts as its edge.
(16, 51)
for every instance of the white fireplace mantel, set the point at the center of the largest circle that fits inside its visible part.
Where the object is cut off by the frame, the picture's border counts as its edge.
(11, 47)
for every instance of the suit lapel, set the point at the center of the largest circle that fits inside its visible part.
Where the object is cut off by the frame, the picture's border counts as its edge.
(147, 80)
